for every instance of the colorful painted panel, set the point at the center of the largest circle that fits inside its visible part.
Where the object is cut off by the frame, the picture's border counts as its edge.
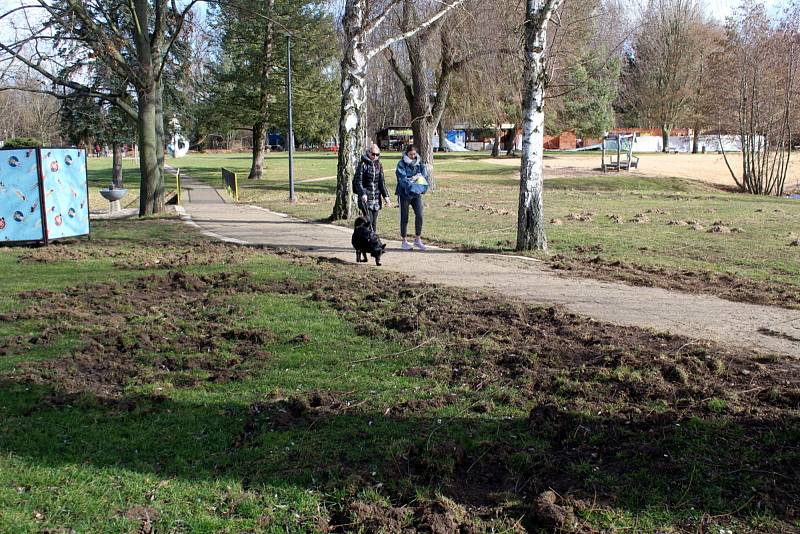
(65, 201)
(20, 212)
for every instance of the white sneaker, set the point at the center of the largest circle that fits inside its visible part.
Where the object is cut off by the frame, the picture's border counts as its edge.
(418, 244)
(405, 245)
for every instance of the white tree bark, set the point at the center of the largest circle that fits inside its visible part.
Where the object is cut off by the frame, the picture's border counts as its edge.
(530, 219)
(351, 117)
(357, 29)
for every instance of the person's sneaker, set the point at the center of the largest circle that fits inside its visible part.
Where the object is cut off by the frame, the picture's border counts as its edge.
(405, 245)
(418, 244)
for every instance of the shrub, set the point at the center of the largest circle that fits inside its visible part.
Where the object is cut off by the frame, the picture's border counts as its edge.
(21, 142)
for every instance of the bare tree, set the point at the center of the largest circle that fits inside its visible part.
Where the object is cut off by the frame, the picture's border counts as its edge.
(763, 96)
(428, 80)
(358, 27)
(658, 81)
(132, 39)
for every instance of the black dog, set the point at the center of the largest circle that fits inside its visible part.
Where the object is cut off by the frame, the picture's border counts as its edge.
(366, 241)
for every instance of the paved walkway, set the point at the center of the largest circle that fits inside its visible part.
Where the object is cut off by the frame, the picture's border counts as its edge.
(765, 328)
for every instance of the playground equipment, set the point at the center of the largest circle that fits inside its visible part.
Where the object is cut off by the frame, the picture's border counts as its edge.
(619, 149)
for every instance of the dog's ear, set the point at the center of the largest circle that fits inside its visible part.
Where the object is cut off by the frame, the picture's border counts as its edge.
(383, 246)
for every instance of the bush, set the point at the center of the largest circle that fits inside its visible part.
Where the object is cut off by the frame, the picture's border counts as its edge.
(21, 142)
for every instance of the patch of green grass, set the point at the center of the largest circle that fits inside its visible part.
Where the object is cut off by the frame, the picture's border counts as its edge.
(717, 405)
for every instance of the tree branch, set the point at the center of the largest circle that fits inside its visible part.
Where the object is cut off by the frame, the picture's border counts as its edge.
(410, 33)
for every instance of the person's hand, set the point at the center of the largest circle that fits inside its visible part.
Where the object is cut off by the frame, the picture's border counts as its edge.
(388, 202)
(364, 199)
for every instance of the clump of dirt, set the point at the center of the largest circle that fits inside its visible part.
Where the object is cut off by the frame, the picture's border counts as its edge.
(424, 404)
(584, 216)
(437, 516)
(375, 518)
(657, 211)
(677, 223)
(718, 228)
(723, 285)
(472, 207)
(184, 338)
(556, 222)
(280, 413)
(584, 249)
(615, 218)
(167, 256)
(548, 510)
(640, 218)
(696, 226)
(795, 243)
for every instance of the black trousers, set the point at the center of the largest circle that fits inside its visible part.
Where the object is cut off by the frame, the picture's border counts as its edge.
(416, 205)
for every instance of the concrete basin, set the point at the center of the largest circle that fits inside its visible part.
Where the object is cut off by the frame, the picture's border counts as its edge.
(112, 195)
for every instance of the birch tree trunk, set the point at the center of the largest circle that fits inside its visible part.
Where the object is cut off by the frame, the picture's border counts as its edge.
(530, 217)
(351, 116)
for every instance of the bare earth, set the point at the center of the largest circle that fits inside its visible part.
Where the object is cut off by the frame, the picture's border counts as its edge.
(708, 168)
(764, 328)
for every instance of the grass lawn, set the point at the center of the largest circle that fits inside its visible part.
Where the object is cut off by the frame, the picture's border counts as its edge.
(151, 381)
(662, 225)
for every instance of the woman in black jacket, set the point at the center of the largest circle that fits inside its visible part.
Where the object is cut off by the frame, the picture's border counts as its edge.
(370, 186)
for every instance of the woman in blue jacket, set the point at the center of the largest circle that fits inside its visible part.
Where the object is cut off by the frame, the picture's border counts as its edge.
(409, 191)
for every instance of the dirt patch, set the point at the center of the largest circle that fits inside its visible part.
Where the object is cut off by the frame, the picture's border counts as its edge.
(729, 287)
(584, 216)
(594, 388)
(173, 327)
(476, 207)
(172, 256)
(606, 404)
(437, 516)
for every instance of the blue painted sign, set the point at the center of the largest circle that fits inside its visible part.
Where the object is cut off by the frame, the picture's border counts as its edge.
(20, 209)
(65, 199)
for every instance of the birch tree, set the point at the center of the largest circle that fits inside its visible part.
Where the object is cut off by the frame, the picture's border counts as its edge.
(530, 216)
(358, 26)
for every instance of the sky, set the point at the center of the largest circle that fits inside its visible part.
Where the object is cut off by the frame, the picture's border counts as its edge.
(720, 9)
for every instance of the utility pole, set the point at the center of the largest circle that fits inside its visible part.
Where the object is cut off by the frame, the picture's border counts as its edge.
(290, 133)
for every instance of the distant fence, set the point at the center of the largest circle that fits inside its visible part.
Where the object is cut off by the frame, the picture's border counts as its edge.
(231, 183)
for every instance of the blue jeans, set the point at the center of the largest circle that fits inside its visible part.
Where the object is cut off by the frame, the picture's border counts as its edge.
(416, 205)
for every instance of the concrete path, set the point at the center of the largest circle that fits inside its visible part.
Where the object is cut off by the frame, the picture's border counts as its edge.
(765, 328)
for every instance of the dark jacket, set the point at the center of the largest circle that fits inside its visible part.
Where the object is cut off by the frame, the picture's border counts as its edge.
(369, 181)
(406, 170)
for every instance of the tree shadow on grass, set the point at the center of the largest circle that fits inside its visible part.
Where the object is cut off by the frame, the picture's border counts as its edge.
(635, 462)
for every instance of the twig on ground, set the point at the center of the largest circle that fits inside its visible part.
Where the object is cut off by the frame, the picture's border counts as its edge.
(393, 354)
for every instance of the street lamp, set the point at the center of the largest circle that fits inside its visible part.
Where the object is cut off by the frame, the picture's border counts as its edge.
(290, 133)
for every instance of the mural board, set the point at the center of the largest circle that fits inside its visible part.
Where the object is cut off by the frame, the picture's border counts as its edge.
(65, 194)
(20, 201)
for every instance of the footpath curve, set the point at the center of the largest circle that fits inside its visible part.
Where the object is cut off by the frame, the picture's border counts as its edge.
(764, 328)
